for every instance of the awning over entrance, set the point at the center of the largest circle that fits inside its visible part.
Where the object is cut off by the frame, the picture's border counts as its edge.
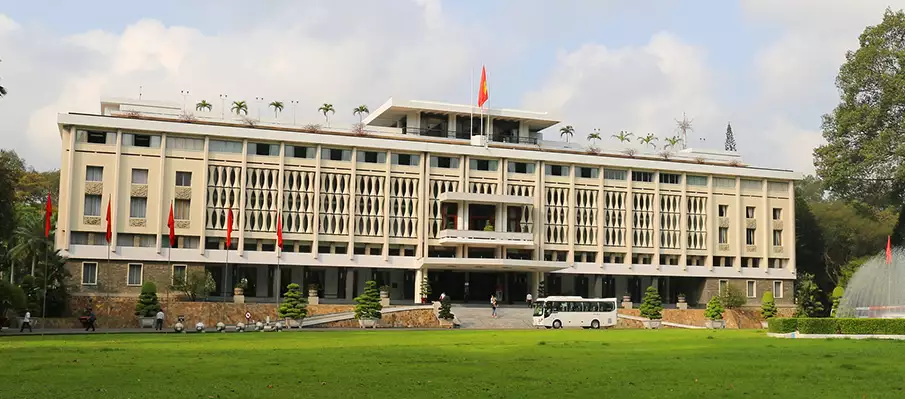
(453, 196)
(494, 264)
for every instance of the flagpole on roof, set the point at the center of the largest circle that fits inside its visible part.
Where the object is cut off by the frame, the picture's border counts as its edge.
(489, 130)
(471, 105)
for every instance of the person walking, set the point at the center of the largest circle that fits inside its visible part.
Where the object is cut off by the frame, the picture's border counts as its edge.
(158, 323)
(529, 299)
(92, 318)
(493, 305)
(26, 321)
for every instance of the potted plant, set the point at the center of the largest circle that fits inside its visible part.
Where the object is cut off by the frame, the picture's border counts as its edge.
(147, 306)
(541, 290)
(240, 287)
(384, 291)
(294, 306)
(681, 298)
(651, 308)
(446, 317)
(767, 308)
(367, 308)
(488, 227)
(313, 294)
(425, 289)
(714, 313)
(681, 303)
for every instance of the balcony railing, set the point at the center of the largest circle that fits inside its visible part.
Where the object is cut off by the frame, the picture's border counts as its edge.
(466, 135)
(486, 237)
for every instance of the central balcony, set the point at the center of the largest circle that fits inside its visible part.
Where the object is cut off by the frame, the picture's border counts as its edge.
(476, 198)
(490, 238)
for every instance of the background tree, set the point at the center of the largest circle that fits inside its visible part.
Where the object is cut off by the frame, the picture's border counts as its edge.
(239, 107)
(324, 109)
(294, 305)
(361, 110)
(808, 297)
(733, 298)
(32, 295)
(11, 299)
(197, 284)
(277, 108)
(730, 138)
(566, 132)
(203, 105)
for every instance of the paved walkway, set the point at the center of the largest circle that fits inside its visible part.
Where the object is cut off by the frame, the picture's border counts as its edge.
(478, 317)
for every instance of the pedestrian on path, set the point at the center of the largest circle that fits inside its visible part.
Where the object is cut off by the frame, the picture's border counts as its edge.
(158, 324)
(493, 305)
(529, 299)
(92, 318)
(26, 321)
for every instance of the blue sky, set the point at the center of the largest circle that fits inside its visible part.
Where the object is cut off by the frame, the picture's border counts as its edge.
(765, 65)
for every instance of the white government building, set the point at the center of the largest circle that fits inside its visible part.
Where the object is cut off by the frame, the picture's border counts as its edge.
(412, 194)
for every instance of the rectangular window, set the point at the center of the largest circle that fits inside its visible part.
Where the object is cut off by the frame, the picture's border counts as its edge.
(179, 273)
(556, 170)
(751, 184)
(92, 205)
(89, 273)
(184, 143)
(264, 149)
(371, 157)
(488, 165)
(778, 187)
(336, 154)
(183, 179)
(94, 173)
(723, 182)
(614, 174)
(645, 177)
(139, 176)
(749, 236)
(405, 159)
(724, 235)
(751, 289)
(521, 167)
(445, 162)
(693, 180)
(134, 277)
(96, 137)
(724, 211)
(138, 207)
(777, 237)
(724, 284)
(234, 147)
(749, 212)
(777, 289)
(295, 151)
(777, 213)
(588, 173)
(670, 178)
(141, 140)
(182, 209)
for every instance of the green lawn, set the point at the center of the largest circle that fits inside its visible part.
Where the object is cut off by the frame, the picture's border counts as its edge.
(441, 364)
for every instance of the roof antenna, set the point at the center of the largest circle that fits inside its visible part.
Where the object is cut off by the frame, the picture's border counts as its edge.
(139, 92)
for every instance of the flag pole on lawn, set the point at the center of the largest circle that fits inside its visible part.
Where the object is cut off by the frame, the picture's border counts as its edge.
(109, 235)
(48, 212)
(171, 225)
(229, 237)
(279, 254)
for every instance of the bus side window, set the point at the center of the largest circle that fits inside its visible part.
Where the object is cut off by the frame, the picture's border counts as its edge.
(607, 306)
(595, 306)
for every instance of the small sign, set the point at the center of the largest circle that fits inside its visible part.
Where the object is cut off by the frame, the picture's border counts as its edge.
(247, 315)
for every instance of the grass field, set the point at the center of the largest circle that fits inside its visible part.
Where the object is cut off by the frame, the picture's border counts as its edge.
(443, 364)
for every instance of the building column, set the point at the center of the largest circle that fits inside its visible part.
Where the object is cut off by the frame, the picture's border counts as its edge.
(350, 283)
(598, 286)
(420, 274)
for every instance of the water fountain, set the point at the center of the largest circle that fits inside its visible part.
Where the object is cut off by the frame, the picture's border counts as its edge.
(877, 289)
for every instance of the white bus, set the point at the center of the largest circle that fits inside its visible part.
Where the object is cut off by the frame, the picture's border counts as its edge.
(575, 311)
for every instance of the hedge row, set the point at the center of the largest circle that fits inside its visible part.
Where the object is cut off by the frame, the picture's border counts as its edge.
(837, 326)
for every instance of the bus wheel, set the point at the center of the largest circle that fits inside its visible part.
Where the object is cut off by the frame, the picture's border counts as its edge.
(557, 324)
(595, 324)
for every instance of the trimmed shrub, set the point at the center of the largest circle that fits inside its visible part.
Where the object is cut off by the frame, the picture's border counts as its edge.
(294, 305)
(838, 292)
(817, 326)
(714, 309)
(871, 326)
(782, 325)
(147, 305)
(768, 306)
(444, 313)
(368, 303)
(652, 305)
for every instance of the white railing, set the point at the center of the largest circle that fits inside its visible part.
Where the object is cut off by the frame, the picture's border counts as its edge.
(488, 237)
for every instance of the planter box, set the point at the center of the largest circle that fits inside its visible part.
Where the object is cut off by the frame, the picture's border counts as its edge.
(651, 324)
(238, 298)
(146, 322)
(312, 297)
(385, 302)
(446, 323)
(626, 304)
(384, 294)
(715, 324)
(367, 323)
(682, 306)
(764, 325)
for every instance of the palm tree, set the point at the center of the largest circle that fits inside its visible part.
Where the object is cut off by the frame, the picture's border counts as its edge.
(2, 89)
(650, 140)
(623, 136)
(672, 142)
(360, 110)
(30, 241)
(595, 135)
(239, 107)
(567, 132)
(324, 109)
(203, 105)
(277, 108)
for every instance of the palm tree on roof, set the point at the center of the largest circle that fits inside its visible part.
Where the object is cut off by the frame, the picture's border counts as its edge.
(277, 108)
(361, 110)
(623, 136)
(203, 105)
(327, 107)
(239, 107)
(566, 132)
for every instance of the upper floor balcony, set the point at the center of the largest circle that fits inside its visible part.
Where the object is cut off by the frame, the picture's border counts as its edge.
(481, 237)
(440, 132)
(480, 198)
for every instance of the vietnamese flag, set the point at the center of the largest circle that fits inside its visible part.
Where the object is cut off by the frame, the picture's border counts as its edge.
(888, 250)
(171, 223)
(48, 212)
(483, 94)
(229, 228)
(280, 230)
(109, 235)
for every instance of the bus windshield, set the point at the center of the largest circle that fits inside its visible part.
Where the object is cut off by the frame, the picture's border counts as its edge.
(539, 308)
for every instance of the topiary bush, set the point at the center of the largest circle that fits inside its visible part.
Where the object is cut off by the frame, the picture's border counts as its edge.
(838, 292)
(768, 306)
(782, 325)
(147, 305)
(425, 288)
(817, 326)
(294, 305)
(445, 314)
(652, 305)
(714, 309)
(541, 290)
(368, 303)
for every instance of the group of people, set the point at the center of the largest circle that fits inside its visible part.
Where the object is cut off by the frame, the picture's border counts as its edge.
(89, 320)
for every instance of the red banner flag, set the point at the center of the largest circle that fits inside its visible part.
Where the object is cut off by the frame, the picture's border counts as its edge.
(229, 228)
(483, 94)
(888, 250)
(48, 212)
(280, 230)
(109, 235)
(171, 223)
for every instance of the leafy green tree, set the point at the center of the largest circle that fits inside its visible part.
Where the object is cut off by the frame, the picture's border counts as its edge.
(838, 292)
(730, 138)
(368, 303)
(11, 169)
(58, 278)
(445, 312)
(807, 297)
(768, 305)
(652, 305)
(11, 298)
(197, 284)
(32, 294)
(733, 298)
(147, 305)
(714, 309)
(294, 305)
